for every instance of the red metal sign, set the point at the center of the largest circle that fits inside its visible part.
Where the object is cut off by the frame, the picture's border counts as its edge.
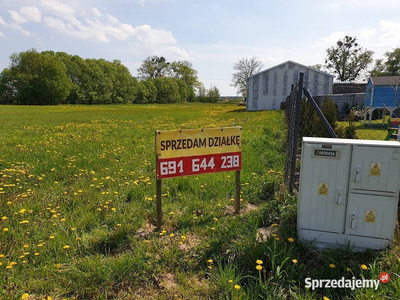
(199, 164)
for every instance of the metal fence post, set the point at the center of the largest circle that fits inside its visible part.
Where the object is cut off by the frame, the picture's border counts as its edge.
(296, 130)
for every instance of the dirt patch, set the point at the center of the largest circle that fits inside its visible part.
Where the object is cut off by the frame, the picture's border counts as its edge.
(168, 281)
(190, 242)
(265, 232)
(250, 207)
(145, 232)
(230, 210)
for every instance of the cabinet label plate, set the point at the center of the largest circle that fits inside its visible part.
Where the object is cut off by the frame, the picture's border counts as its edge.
(326, 153)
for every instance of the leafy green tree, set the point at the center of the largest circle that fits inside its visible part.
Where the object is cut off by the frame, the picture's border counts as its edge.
(347, 59)
(201, 94)
(151, 89)
(153, 67)
(7, 93)
(37, 79)
(244, 68)
(124, 84)
(388, 67)
(213, 94)
(184, 71)
(167, 90)
(183, 90)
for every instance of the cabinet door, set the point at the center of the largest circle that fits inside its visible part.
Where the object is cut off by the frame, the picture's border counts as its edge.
(371, 215)
(375, 169)
(323, 187)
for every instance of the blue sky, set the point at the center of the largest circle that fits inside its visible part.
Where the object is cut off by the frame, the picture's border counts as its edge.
(212, 35)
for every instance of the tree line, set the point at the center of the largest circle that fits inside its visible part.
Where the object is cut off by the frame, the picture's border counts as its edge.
(49, 78)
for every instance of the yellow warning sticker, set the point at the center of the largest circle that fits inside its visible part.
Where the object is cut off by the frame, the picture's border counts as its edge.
(370, 216)
(323, 188)
(375, 169)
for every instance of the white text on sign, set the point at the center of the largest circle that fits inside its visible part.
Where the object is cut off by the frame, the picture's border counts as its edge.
(200, 164)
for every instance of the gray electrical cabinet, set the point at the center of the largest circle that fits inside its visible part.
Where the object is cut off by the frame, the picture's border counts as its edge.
(349, 190)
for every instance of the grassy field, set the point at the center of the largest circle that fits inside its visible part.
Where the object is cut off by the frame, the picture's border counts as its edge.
(77, 192)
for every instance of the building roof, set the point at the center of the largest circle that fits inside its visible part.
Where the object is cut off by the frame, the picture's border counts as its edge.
(385, 80)
(292, 62)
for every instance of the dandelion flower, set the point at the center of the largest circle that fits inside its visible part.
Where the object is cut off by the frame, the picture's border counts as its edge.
(52, 237)
(291, 240)
(25, 296)
(259, 261)
(326, 298)
(332, 266)
(210, 261)
(9, 267)
(259, 268)
(274, 225)
(364, 267)
(66, 247)
(36, 253)
(4, 218)
(348, 269)
(172, 235)
(5, 229)
(237, 286)
(294, 261)
(230, 280)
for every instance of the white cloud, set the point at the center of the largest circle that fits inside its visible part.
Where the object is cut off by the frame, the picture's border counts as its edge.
(31, 14)
(329, 40)
(57, 8)
(96, 12)
(112, 19)
(170, 52)
(367, 33)
(82, 32)
(2, 22)
(389, 34)
(1, 34)
(147, 34)
(16, 17)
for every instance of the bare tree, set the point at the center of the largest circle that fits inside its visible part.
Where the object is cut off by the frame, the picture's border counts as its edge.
(244, 68)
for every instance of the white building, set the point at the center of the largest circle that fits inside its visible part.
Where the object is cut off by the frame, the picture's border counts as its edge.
(269, 88)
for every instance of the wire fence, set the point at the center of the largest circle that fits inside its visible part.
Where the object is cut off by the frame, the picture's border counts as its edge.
(352, 111)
